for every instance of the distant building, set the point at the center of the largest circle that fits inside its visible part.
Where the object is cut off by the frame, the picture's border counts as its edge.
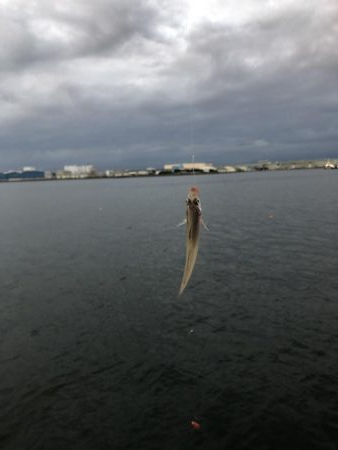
(64, 175)
(28, 173)
(242, 168)
(190, 167)
(202, 167)
(267, 165)
(49, 175)
(330, 165)
(13, 175)
(151, 170)
(173, 167)
(33, 174)
(229, 169)
(74, 171)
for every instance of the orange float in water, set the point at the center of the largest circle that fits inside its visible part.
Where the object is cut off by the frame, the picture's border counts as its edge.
(195, 425)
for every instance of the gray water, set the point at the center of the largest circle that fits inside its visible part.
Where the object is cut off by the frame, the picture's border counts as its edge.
(98, 352)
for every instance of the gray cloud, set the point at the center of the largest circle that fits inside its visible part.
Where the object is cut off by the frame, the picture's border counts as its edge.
(48, 31)
(127, 83)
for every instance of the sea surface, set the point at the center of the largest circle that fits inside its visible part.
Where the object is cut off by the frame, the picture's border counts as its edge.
(98, 352)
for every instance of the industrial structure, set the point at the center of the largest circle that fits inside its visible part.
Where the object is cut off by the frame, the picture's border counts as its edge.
(190, 167)
(26, 174)
(74, 171)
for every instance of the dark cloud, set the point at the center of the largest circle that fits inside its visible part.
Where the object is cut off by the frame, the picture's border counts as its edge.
(270, 80)
(48, 31)
(127, 83)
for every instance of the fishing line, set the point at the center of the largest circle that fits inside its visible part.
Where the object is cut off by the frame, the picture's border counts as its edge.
(189, 94)
(193, 314)
(191, 124)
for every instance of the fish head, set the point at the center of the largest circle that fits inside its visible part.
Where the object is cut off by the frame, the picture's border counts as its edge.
(193, 200)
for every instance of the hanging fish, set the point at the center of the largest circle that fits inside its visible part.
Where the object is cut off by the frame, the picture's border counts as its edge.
(192, 221)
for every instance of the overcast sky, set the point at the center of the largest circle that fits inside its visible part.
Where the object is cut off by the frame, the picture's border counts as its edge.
(137, 83)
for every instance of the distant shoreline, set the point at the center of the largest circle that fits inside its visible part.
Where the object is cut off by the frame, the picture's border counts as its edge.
(234, 170)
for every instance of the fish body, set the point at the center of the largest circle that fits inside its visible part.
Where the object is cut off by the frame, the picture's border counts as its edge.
(193, 221)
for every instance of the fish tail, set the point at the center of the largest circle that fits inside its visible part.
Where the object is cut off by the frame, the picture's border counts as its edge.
(190, 260)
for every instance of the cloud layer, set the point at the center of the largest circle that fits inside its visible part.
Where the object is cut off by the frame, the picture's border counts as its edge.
(127, 83)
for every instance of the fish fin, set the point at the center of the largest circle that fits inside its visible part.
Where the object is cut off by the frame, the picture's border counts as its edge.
(181, 223)
(204, 225)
